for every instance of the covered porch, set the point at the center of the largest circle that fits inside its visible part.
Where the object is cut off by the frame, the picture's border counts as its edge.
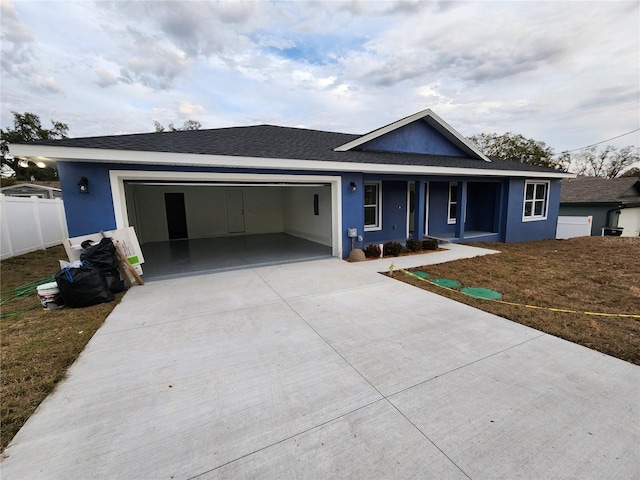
(479, 203)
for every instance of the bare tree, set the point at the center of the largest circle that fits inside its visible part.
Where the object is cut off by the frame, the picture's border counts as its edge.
(187, 125)
(609, 162)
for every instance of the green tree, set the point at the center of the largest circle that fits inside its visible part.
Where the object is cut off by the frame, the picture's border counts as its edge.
(187, 125)
(608, 162)
(28, 127)
(516, 147)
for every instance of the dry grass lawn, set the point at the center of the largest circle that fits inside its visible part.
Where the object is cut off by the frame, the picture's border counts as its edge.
(593, 274)
(37, 346)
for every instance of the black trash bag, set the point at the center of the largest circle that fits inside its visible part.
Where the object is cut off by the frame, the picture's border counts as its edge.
(83, 286)
(101, 255)
(114, 281)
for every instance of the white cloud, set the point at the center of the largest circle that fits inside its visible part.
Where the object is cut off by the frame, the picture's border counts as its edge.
(48, 83)
(566, 73)
(105, 78)
(190, 108)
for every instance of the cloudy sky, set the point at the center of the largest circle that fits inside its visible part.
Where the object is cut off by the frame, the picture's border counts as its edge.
(566, 73)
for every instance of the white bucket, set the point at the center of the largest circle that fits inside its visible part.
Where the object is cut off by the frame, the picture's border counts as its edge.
(49, 295)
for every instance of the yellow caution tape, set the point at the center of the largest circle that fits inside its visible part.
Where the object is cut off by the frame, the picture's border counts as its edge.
(392, 267)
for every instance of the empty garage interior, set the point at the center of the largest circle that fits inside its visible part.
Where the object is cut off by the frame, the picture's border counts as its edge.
(186, 228)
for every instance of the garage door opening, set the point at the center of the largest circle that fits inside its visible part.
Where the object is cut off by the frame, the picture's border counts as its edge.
(177, 258)
(228, 225)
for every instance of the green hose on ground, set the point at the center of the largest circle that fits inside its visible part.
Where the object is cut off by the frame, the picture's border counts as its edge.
(26, 289)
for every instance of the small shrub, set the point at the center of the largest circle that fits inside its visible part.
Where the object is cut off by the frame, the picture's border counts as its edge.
(413, 244)
(372, 251)
(392, 248)
(429, 244)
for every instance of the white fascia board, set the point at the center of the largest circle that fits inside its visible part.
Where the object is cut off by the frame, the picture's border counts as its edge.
(439, 123)
(431, 118)
(381, 131)
(99, 155)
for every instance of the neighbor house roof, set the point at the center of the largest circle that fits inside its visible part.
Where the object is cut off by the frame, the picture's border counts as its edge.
(220, 147)
(600, 190)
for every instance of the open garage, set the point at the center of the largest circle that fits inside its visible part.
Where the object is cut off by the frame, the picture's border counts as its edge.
(186, 226)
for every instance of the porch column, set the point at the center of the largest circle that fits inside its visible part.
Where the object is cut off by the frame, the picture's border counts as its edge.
(461, 208)
(419, 212)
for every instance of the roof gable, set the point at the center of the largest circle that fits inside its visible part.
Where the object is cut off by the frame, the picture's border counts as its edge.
(423, 132)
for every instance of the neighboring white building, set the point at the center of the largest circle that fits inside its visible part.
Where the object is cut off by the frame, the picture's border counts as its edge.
(31, 190)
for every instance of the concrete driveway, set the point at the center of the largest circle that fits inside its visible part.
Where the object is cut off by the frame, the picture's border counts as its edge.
(327, 369)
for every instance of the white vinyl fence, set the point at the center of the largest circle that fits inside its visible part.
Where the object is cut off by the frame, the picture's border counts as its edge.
(30, 224)
(570, 227)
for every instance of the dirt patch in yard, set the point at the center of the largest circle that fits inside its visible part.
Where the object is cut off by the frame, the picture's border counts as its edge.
(589, 274)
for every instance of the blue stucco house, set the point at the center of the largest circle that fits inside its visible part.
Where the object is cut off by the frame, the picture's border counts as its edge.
(416, 177)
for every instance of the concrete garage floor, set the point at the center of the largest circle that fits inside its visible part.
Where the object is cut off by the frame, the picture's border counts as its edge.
(326, 369)
(178, 258)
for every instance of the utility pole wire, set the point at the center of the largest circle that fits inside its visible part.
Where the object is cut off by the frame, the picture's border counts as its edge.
(598, 143)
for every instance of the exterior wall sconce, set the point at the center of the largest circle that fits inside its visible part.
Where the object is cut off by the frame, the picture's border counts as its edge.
(354, 187)
(83, 185)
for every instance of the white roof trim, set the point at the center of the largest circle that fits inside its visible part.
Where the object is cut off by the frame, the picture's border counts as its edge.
(101, 155)
(431, 118)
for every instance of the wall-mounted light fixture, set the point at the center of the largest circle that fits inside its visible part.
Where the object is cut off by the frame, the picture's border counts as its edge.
(83, 185)
(354, 187)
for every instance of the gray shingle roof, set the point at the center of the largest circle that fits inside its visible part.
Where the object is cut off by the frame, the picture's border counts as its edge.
(268, 141)
(599, 190)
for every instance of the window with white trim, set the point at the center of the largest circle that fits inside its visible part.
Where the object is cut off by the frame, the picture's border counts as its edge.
(453, 202)
(536, 200)
(372, 206)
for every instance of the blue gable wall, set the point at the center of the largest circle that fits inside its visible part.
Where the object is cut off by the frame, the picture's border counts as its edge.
(416, 137)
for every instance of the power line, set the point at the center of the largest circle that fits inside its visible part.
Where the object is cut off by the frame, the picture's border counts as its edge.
(598, 143)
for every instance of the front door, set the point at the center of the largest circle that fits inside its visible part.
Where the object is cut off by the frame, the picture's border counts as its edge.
(234, 203)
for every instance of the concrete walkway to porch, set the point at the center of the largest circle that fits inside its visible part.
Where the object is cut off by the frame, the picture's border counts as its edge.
(326, 369)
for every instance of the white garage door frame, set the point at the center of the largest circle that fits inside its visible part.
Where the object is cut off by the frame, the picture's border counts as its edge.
(119, 177)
